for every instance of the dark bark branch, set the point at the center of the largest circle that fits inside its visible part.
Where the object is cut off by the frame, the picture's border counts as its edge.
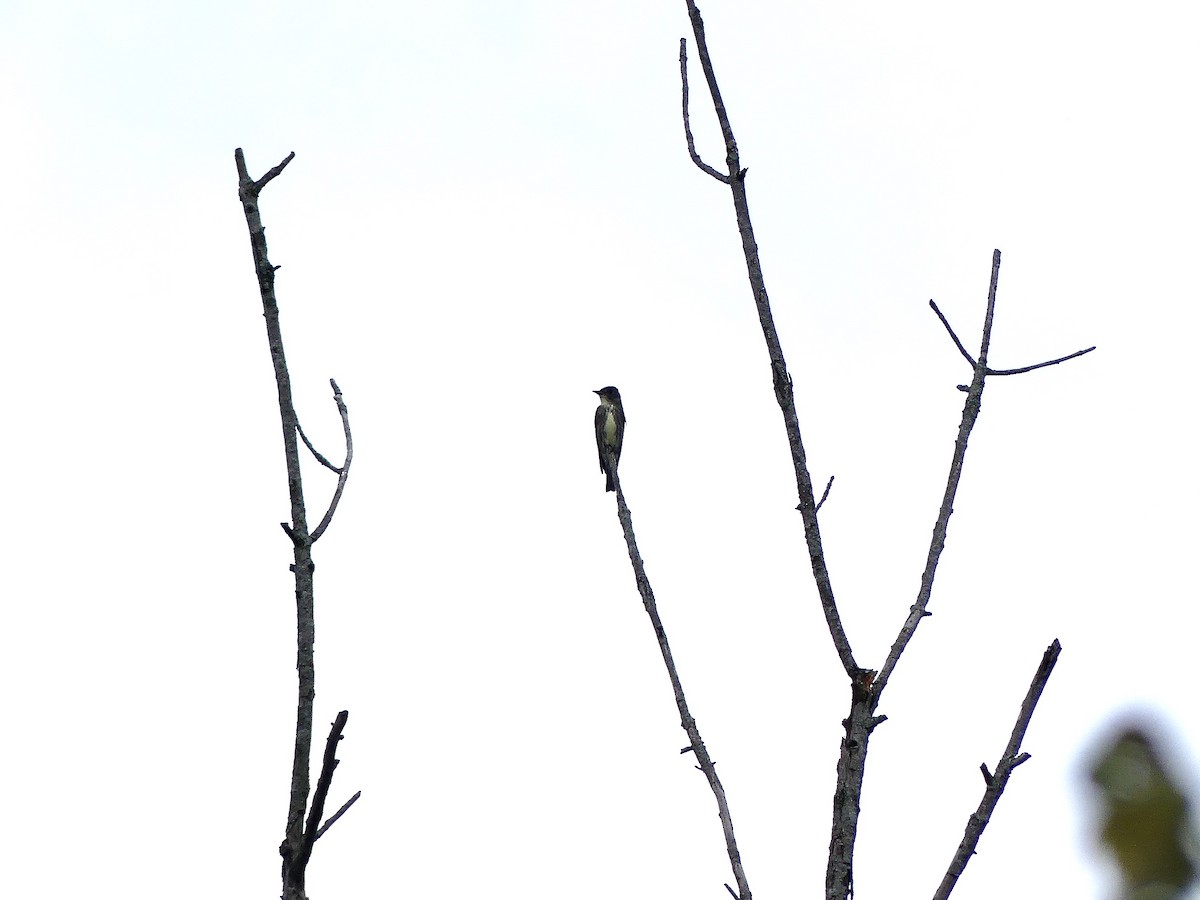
(779, 373)
(695, 742)
(312, 828)
(996, 783)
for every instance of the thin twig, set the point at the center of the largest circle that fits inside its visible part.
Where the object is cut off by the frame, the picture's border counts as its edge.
(824, 496)
(687, 124)
(337, 815)
(997, 782)
(344, 471)
(861, 721)
(696, 743)
(957, 343)
(967, 356)
(1041, 365)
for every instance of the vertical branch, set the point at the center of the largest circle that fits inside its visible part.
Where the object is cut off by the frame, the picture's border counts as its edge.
(302, 567)
(779, 373)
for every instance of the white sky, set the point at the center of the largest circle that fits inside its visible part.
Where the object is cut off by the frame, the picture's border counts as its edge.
(491, 214)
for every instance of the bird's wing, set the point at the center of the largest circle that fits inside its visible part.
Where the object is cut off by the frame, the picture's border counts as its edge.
(619, 414)
(600, 414)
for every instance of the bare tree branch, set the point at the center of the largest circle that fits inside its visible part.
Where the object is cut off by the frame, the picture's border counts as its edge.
(695, 742)
(996, 783)
(970, 413)
(779, 373)
(866, 685)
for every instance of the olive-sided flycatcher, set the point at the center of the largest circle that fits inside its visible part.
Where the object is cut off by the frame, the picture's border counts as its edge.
(610, 431)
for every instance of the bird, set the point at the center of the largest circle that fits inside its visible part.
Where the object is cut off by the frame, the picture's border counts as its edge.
(610, 432)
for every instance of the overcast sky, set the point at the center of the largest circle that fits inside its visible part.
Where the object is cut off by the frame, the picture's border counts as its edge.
(492, 213)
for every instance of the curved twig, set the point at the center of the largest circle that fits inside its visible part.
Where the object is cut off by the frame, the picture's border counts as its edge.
(344, 471)
(314, 451)
(687, 124)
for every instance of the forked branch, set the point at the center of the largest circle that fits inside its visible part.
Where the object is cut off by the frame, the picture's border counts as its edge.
(971, 408)
(990, 371)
